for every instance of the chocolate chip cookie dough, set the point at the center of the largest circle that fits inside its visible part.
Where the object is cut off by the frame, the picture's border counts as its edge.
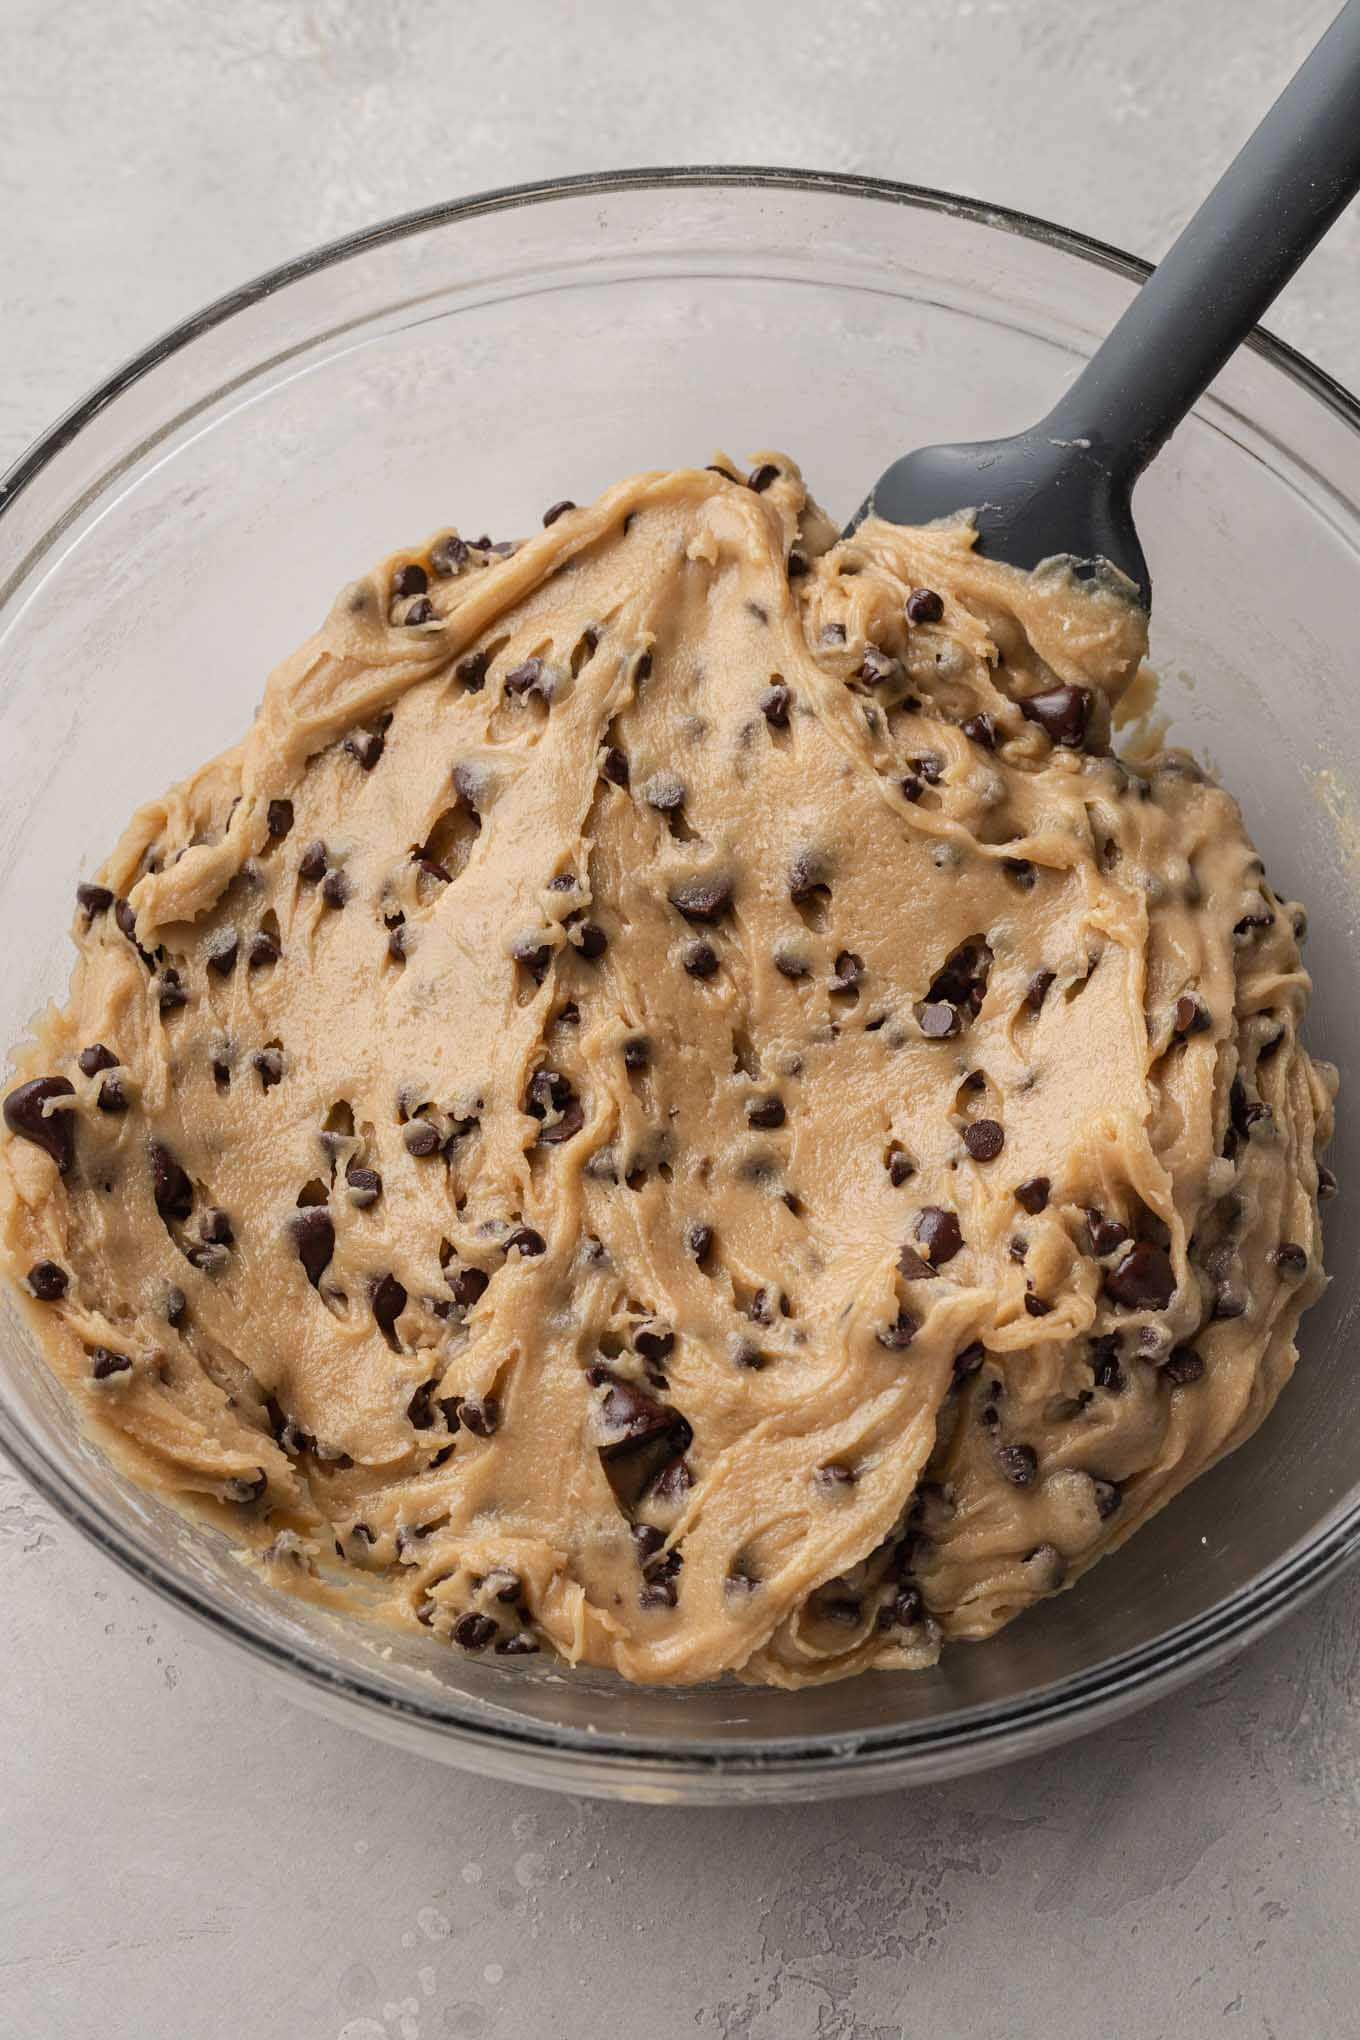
(674, 1103)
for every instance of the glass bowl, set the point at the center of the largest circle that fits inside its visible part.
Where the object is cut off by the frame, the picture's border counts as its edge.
(184, 527)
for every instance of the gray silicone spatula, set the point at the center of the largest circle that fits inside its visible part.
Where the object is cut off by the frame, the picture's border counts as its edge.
(1065, 486)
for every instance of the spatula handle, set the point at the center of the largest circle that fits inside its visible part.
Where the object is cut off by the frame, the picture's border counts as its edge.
(1300, 169)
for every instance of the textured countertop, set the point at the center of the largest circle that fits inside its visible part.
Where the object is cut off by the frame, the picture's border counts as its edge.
(184, 1854)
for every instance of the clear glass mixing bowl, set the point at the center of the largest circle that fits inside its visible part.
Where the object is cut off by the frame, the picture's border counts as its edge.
(186, 525)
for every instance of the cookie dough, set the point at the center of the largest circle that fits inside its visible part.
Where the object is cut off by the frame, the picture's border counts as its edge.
(675, 1104)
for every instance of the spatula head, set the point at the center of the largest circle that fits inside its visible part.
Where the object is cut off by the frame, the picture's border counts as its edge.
(1031, 497)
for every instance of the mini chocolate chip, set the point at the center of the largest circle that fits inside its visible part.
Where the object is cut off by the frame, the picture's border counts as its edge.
(335, 888)
(526, 1240)
(984, 1139)
(170, 993)
(556, 510)
(1108, 1497)
(1230, 1300)
(475, 1632)
(176, 1307)
(279, 817)
(1021, 872)
(1019, 1463)
(396, 944)
(938, 1020)
(527, 678)
(760, 478)
(797, 566)
(449, 556)
(700, 959)
(264, 949)
(47, 1282)
(223, 951)
(981, 729)
(654, 1343)
(834, 1475)
(1190, 1017)
(714, 468)
(1037, 990)
(314, 1239)
(268, 1066)
(849, 969)
(659, 1594)
(614, 766)
(903, 1611)
(420, 1138)
(1032, 1195)
(938, 1231)
(790, 965)
(1143, 1280)
(1035, 1305)
(592, 941)
(969, 1359)
(912, 787)
(1290, 1259)
(774, 706)
(366, 746)
(924, 606)
(215, 1227)
(647, 1541)
(471, 672)
(421, 611)
(470, 1283)
(502, 1582)
(637, 1053)
(389, 1301)
(95, 899)
(765, 1112)
(912, 1268)
(901, 1168)
(95, 1058)
(53, 1132)
(702, 899)
(481, 1414)
(699, 1239)
(643, 669)
(365, 1185)
(104, 1363)
(410, 580)
(899, 1334)
(1062, 712)
(1183, 1364)
(1105, 1368)
(314, 862)
(833, 633)
(1327, 1185)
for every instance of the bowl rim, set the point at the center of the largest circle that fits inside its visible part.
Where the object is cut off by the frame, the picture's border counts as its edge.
(587, 1758)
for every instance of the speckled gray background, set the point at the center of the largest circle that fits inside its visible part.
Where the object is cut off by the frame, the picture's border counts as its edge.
(182, 1853)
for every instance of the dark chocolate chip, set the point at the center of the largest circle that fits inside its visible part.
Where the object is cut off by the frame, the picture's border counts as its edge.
(421, 611)
(903, 1611)
(264, 950)
(938, 1020)
(1105, 1368)
(1183, 1365)
(389, 1301)
(1108, 1497)
(1327, 1185)
(47, 1282)
(1143, 1280)
(471, 672)
(849, 969)
(912, 1268)
(981, 729)
(699, 1239)
(469, 1284)
(365, 1185)
(899, 1334)
(526, 1240)
(176, 1307)
(170, 993)
(104, 1363)
(1106, 1234)
(760, 478)
(268, 1066)
(774, 706)
(170, 1186)
(714, 468)
(95, 1058)
(984, 1139)
(420, 1409)
(647, 1541)
(314, 1238)
(410, 580)
(938, 1232)
(790, 965)
(592, 941)
(765, 1112)
(834, 1475)
(279, 817)
(637, 1052)
(420, 1138)
(629, 1416)
(797, 566)
(1289, 1259)
(474, 1632)
(527, 678)
(314, 862)
(53, 1132)
(1019, 1463)
(365, 747)
(215, 1227)
(1062, 712)
(1037, 990)
(1035, 1305)
(1020, 871)
(95, 899)
(1032, 1195)
(556, 510)
(222, 953)
(614, 766)
(702, 899)
(335, 888)
(449, 556)
(924, 606)
(700, 959)
(969, 1359)
(1190, 1017)
(654, 1343)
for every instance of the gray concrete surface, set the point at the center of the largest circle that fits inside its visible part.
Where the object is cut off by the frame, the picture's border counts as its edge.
(182, 1853)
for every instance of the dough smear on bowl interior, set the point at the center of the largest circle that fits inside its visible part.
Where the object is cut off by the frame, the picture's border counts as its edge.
(673, 1103)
